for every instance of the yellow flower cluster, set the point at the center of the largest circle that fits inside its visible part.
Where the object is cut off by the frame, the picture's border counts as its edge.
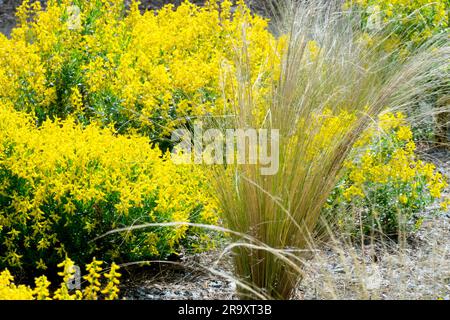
(146, 71)
(445, 205)
(396, 161)
(62, 185)
(411, 22)
(382, 177)
(22, 76)
(11, 291)
(111, 291)
(93, 279)
(332, 127)
(384, 174)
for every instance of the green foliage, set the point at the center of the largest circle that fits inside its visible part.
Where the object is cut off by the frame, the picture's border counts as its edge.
(384, 184)
(62, 185)
(409, 23)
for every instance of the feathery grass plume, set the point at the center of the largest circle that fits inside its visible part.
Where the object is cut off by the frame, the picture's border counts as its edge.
(331, 87)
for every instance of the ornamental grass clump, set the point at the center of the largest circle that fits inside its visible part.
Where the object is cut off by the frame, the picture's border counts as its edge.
(330, 88)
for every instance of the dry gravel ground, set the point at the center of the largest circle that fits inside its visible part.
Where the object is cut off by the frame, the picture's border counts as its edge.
(188, 280)
(418, 268)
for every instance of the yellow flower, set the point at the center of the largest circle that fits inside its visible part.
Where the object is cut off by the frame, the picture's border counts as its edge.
(10, 291)
(353, 191)
(41, 265)
(445, 205)
(429, 17)
(403, 198)
(111, 290)
(357, 176)
(383, 164)
(41, 290)
(74, 165)
(404, 133)
(418, 223)
(76, 100)
(93, 278)
(137, 66)
(314, 50)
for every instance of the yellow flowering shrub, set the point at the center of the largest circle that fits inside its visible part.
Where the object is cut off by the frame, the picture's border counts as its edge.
(41, 290)
(10, 291)
(410, 22)
(385, 182)
(147, 71)
(62, 185)
(383, 185)
(408, 25)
